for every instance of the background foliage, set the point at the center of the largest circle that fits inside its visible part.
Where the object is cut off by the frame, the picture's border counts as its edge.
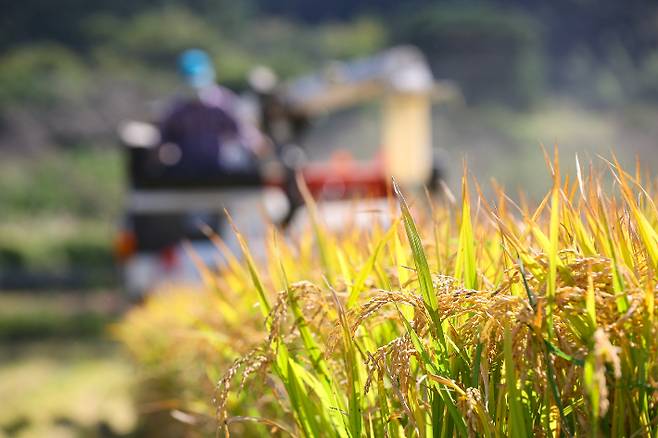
(71, 57)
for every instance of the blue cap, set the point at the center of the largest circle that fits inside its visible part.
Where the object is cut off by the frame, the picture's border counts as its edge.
(197, 68)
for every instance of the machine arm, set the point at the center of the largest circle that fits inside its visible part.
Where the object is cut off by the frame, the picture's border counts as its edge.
(402, 69)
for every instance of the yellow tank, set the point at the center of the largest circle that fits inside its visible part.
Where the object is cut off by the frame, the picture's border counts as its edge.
(407, 137)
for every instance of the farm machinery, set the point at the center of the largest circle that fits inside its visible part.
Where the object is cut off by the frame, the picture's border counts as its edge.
(165, 218)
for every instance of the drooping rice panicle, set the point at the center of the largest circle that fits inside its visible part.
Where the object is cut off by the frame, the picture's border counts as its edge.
(485, 317)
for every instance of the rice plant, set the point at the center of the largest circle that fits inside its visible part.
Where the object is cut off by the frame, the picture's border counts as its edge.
(488, 318)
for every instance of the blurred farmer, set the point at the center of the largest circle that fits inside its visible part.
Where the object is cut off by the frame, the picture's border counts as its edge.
(203, 138)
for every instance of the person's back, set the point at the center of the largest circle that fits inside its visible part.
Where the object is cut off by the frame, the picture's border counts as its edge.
(196, 133)
(201, 137)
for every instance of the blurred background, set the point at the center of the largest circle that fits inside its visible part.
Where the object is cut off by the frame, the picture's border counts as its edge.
(579, 73)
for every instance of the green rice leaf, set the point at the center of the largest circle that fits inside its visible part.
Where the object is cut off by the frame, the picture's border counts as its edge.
(422, 268)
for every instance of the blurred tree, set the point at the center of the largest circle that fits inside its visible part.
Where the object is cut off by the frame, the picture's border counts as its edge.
(65, 21)
(495, 54)
(42, 74)
(152, 39)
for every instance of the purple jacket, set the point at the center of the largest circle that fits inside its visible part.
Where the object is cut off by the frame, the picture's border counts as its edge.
(208, 133)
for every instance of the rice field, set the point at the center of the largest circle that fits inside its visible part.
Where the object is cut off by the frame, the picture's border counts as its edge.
(478, 317)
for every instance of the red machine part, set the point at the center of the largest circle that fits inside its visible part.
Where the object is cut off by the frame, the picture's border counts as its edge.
(343, 177)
